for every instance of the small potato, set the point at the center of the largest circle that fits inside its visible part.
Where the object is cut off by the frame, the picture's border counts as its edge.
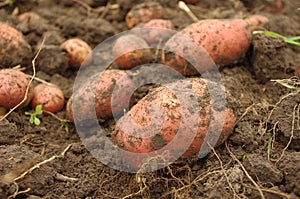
(226, 41)
(79, 52)
(142, 12)
(155, 120)
(14, 49)
(94, 98)
(155, 31)
(28, 16)
(13, 85)
(130, 51)
(257, 21)
(49, 96)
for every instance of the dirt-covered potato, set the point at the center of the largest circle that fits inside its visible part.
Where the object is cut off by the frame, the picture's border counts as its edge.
(13, 85)
(226, 41)
(94, 98)
(130, 51)
(80, 53)
(155, 120)
(155, 31)
(14, 49)
(28, 16)
(257, 21)
(49, 96)
(142, 12)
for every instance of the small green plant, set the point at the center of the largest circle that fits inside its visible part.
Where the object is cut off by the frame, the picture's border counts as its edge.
(34, 119)
(289, 40)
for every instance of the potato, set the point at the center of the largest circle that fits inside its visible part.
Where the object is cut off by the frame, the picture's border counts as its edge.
(130, 51)
(142, 12)
(155, 31)
(13, 85)
(146, 129)
(14, 49)
(257, 21)
(94, 98)
(28, 16)
(226, 41)
(49, 96)
(80, 53)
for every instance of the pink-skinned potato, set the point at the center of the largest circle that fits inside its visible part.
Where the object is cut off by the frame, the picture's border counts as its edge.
(49, 96)
(155, 31)
(13, 85)
(143, 131)
(226, 41)
(257, 21)
(14, 49)
(130, 51)
(143, 12)
(29, 16)
(80, 53)
(95, 99)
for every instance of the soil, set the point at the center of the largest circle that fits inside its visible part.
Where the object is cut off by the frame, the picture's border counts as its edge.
(261, 157)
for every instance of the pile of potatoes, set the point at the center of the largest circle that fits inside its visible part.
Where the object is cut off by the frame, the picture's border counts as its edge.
(222, 42)
(16, 88)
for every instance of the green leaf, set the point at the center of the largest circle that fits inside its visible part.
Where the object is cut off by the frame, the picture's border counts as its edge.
(38, 110)
(37, 121)
(244, 157)
(285, 84)
(31, 119)
(295, 38)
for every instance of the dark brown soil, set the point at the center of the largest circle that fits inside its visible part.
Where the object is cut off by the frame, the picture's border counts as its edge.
(266, 137)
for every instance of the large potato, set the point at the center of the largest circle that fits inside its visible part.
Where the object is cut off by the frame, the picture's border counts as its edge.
(14, 49)
(145, 129)
(226, 41)
(94, 98)
(13, 85)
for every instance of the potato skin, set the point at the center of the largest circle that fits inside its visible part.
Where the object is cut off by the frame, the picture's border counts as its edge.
(155, 30)
(14, 49)
(96, 93)
(13, 85)
(49, 96)
(79, 52)
(142, 12)
(226, 41)
(130, 51)
(139, 114)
